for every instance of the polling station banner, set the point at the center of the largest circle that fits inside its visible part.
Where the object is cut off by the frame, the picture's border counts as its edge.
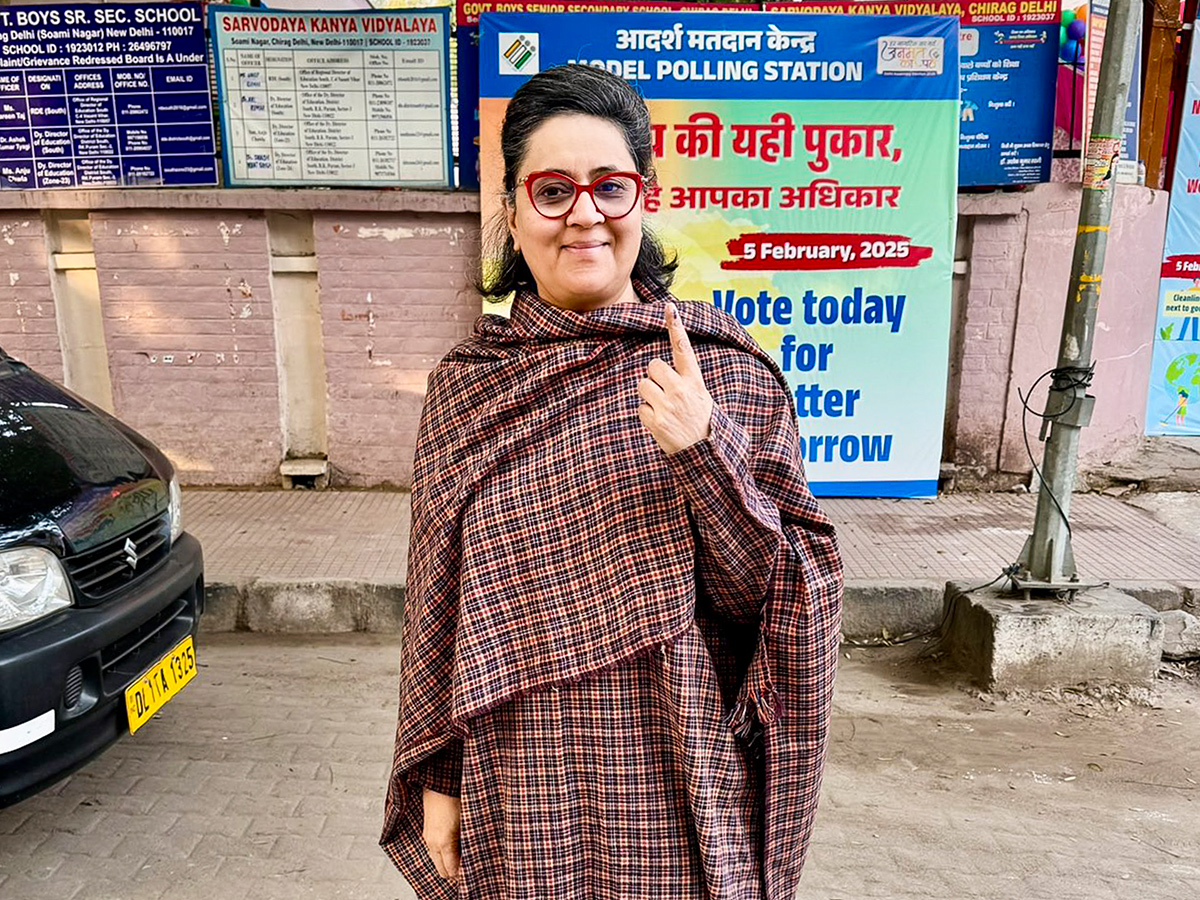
(1173, 400)
(1009, 62)
(467, 34)
(818, 207)
(102, 95)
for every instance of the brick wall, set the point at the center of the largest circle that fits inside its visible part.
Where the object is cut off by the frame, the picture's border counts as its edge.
(191, 341)
(28, 329)
(990, 318)
(394, 299)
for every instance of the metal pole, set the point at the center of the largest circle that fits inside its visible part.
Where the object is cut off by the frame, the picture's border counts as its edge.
(1047, 558)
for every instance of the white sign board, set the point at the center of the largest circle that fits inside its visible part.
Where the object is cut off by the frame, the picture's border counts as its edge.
(350, 98)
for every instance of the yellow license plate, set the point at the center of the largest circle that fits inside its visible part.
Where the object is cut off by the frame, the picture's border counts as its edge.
(164, 680)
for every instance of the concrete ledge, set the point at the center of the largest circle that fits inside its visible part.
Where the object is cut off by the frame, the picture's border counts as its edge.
(306, 607)
(335, 199)
(871, 607)
(1102, 637)
(1158, 595)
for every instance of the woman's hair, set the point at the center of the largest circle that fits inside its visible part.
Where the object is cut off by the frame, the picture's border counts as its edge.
(570, 90)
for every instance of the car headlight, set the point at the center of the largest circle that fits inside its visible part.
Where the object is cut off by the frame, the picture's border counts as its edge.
(32, 585)
(175, 504)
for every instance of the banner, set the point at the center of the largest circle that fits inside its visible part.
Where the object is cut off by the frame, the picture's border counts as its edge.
(467, 34)
(350, 98)
(1009, 56)
(103, 95)
(818, 207)
(1173, 401)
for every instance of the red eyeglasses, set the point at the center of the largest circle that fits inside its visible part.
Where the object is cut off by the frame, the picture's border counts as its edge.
(554, 195)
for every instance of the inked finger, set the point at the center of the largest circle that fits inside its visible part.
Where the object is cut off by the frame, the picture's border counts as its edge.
(682, 354)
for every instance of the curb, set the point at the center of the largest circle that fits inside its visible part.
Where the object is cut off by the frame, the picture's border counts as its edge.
(304, 607)
(871, 609)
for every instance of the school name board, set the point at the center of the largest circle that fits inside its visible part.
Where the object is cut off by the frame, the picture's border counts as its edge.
(353, 98)
(1009, 61)
(103, 95)
(818, 208)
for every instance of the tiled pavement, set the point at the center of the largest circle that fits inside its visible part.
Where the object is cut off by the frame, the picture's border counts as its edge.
(303, 536)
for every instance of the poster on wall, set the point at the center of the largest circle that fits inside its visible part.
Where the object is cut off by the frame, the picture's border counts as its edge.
(1096, 18)
(1008, 58)
(818, 207)
(105, 95)
(333, 98)
(1173, 399)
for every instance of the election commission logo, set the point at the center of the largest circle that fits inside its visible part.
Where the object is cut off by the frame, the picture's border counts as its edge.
(518, 53)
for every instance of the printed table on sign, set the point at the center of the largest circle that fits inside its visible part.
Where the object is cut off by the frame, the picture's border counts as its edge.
(337, 110)
(98, 116)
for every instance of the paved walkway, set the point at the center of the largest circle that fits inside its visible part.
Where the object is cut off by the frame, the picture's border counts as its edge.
(316, 536)
(264, 779)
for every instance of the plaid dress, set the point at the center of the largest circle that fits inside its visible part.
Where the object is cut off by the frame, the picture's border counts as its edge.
(621, 661)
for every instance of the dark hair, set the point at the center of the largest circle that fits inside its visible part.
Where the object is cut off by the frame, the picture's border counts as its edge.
(570, 90)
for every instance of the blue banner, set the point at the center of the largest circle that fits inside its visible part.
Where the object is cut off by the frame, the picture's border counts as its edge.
(99, 95)
(753, 56)
(1007, 127)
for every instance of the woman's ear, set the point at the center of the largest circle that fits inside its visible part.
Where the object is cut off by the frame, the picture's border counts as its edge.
(510, 219)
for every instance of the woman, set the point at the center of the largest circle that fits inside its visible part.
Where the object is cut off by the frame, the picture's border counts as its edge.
(623, 602)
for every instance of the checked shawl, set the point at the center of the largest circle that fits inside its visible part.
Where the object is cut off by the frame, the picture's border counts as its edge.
(601, 548)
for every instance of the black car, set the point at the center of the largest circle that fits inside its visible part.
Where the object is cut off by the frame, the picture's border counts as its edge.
(101, 590)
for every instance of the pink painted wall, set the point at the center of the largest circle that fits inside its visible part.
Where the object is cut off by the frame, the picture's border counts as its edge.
(188, 280)
(1019, 273)
(394, 300)
(28, 328)
(191, 340)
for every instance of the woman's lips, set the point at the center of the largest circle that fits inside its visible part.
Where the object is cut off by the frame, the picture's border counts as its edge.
(584, 246)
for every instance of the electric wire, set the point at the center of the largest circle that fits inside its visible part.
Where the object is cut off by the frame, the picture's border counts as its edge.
(1007, 572)
(1063, 379)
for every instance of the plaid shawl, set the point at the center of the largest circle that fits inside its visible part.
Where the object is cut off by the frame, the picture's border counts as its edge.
(604, 552)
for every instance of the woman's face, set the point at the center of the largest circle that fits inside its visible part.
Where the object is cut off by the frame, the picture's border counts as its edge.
(582, 261)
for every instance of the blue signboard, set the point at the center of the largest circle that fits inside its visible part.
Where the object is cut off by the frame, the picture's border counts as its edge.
(1008, 73)
(100, 95)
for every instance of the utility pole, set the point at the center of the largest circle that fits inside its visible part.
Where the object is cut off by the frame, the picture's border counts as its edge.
(1047, 561)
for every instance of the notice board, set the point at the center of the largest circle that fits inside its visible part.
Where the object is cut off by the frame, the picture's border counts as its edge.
(103, 95)
(806, 176)
(338, 98)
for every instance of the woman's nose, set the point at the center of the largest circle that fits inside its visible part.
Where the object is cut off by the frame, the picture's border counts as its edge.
(584, 212)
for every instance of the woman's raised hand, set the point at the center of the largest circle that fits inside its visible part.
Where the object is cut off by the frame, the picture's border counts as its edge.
(443, 821)
(676, 407)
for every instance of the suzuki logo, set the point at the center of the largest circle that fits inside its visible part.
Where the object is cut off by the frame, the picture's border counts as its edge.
(131, 554)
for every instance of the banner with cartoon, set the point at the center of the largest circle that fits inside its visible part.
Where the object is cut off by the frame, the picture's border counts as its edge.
(818, 207)
(1173, 402)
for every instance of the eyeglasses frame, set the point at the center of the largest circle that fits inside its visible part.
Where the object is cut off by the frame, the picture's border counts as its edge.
(581, 189)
